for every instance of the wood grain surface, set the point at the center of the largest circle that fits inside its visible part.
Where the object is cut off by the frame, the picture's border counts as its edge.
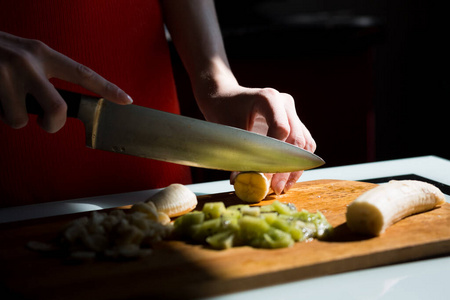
(179, 270)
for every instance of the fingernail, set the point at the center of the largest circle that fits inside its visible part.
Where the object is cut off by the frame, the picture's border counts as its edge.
(130, 99)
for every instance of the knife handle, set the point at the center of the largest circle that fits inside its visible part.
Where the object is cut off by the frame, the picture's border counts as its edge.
(72, 99)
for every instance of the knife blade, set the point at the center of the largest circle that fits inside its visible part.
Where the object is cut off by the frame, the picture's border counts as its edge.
(145, 132)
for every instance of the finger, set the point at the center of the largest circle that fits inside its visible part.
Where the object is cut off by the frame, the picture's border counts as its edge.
(299, 134)
(293, 178)
(54, 107)
(310, 142)
(63, 67)
(275, 115)
(259, 125)
(279, 181)
(269, 176)
(302, 138)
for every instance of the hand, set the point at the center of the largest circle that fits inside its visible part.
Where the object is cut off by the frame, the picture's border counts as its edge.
(265, 111)
(26, 67)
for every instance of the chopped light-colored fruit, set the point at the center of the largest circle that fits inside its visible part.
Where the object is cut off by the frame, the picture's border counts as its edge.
(120, 234)
(377, 209)
(114, 234)
(251, 187)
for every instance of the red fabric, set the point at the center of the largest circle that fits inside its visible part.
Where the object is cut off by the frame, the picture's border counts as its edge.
(124, 42)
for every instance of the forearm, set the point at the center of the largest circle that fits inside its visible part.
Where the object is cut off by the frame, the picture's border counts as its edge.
(195, 31)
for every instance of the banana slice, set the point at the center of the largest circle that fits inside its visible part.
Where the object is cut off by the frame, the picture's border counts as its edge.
(377, 209)
(174, 200)
(251, 187)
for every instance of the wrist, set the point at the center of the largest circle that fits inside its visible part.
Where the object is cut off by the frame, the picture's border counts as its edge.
(212, 80)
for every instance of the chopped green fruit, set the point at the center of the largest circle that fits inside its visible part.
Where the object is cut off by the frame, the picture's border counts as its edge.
(276, 225)
(282, 209)
(305, 216)
(296, 232)
(191, 218)
(207, 228)
(238, 207)
(252, 227)
(183, 226)
(267, 208)
(231, 214)
(221, 240)
(213, 210)
(281, 224)
(270, 217)
(251, 211)
(277, 238)
(230, 223)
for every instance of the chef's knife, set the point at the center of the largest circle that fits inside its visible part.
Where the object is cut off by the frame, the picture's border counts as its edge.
(150, 133)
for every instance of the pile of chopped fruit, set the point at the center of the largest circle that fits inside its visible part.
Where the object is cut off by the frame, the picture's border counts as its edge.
(119, 233)
(130, 233)
(276, 225)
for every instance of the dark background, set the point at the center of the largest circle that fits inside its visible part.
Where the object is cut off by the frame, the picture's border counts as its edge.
(370, 78)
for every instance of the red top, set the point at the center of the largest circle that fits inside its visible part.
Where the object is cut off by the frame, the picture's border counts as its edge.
(124, 42)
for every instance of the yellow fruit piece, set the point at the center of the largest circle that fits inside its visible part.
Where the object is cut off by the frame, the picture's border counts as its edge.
(251, 187)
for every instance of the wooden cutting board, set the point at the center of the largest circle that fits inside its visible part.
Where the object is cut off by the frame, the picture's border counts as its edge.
(178, 270)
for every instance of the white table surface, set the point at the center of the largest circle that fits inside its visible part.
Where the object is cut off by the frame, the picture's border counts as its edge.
(425, 279)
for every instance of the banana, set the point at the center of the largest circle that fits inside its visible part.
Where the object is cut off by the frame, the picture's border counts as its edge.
(251, 187)
(377, 209)
(174, 200)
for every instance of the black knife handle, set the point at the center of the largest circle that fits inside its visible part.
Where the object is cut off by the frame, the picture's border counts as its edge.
(72, 99)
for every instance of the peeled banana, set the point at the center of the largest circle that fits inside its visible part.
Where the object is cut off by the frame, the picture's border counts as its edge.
(251, 187)
(377, 209)
(174, 200)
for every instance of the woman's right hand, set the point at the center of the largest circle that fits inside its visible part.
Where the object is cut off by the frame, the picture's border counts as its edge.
(26, 67)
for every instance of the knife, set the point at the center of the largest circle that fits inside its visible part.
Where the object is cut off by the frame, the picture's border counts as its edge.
(145, 132)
